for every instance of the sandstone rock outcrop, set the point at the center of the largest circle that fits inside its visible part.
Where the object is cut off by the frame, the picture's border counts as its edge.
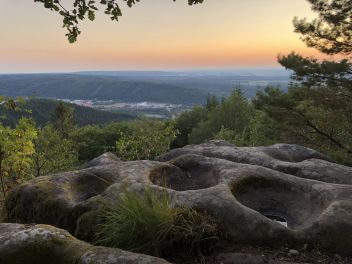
(42, 244)
(291, 159)
(248, 190)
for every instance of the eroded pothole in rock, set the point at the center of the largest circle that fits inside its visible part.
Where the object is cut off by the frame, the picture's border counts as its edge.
(184, 175)
(277, 219)
(88, 185)
(289, 203)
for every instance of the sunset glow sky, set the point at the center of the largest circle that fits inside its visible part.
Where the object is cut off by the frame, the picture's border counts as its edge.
(153, 35)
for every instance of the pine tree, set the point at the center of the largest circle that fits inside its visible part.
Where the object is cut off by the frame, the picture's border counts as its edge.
(63, 119)
(331, 32)
(317, 110)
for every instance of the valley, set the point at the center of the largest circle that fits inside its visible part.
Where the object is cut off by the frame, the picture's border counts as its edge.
(155, 94)
(147, 109)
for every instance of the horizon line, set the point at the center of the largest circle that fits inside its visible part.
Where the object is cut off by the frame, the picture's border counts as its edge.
(150, 71)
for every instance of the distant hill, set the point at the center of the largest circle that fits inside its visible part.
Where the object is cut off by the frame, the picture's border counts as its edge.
(218, 82)
(89, 87)
(42, 110)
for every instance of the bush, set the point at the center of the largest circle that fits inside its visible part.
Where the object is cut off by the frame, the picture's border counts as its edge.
(233, 113)
(145, 139)
(148, 224)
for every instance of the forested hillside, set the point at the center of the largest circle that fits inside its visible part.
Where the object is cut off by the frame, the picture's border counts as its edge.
(219, 82)
(74, 86)
(41, 110)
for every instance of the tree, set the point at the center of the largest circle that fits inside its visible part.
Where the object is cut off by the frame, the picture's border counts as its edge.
(145, 139)
(16, 149)
(92, 141)
(52, 152)
(63, 119)
(317, 109)
(331, 32)
(212, 102)
(236, 121)
(87, 9)
(232, 114)
(186, 122)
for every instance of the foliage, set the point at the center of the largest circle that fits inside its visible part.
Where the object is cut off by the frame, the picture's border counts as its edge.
(145, 139)
(212, 102)
(92, 141)
(11, 104)
(87, 9)
(232, 114)
(260, 130)
(316, 118)
(16, 148)
(186, 122)
(89, 142)
(233, 119)
(52, 152)
(140, 139)
(63, 119)
(189, 120)
(230, 136)
(317, 109)
(263, 130)
(149, 224)
(331, 32)
(312, 72)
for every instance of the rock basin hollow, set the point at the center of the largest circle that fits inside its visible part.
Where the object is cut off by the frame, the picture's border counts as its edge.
(281, 200)
(183, 174)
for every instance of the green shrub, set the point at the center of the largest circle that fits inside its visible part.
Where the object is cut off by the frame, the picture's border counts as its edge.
(148, 224)
(145, 139)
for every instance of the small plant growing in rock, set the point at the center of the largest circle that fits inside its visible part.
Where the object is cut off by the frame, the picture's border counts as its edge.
(149, 224)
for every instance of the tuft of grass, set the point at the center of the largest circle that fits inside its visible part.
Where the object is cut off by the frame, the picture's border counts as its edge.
(149, 224)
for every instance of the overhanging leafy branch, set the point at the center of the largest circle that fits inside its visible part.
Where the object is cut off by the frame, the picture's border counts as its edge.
(82, 9)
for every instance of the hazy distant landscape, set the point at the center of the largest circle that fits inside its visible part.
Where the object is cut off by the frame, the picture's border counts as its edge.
(159, 94)
(41, 110)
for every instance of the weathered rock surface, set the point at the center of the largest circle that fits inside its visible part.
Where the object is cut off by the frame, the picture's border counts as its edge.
(245, 189)
(240, 258)
(291, 159)
(42, 244)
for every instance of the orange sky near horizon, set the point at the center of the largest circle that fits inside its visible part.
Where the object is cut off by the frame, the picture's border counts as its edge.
(153, 35)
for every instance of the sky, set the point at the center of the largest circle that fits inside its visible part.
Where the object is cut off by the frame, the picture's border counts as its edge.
(153, 35)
